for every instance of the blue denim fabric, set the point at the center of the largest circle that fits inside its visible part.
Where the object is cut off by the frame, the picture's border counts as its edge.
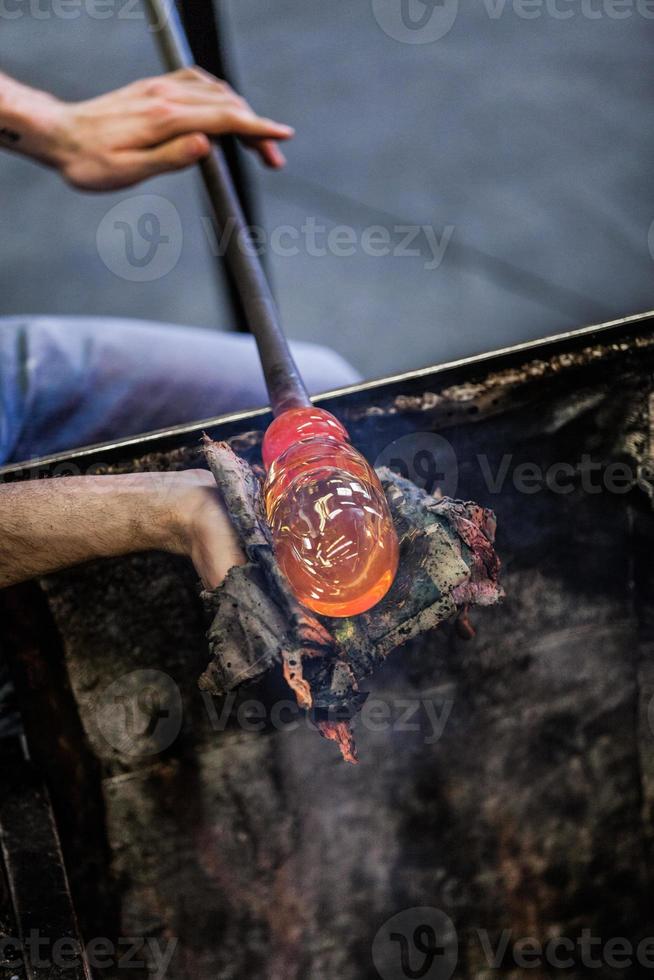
(71, 381)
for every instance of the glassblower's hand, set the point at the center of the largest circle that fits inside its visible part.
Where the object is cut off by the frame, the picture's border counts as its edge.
(149, 127)
(47, 525)
(200, 526)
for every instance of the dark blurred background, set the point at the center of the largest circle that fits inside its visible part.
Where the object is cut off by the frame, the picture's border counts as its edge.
(520, 137)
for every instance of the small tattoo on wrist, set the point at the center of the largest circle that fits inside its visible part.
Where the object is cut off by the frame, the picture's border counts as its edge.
(9, 135)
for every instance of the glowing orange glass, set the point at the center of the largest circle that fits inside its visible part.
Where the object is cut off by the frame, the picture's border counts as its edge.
(332, 531)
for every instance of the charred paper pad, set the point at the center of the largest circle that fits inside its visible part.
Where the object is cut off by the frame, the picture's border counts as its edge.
(447, 562)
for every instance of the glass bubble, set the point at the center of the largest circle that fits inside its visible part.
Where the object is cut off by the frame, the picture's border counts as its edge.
(332, 531)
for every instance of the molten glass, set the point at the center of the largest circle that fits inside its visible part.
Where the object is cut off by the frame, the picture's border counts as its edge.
(332, 530)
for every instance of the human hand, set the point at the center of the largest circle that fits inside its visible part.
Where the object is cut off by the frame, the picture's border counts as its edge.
(48, 525)
(200, 526)
(149, 127)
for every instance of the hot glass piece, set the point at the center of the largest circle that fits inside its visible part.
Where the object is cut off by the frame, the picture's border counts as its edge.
(332, 531)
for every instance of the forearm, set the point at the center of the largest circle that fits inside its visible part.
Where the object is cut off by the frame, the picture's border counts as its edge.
(29, 121)
(47, 525)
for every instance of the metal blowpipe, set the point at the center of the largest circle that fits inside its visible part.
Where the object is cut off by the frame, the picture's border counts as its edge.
(332, 531)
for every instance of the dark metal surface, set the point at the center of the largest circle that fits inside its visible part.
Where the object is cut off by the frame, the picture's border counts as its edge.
(285, 386)
(12, 965)
(33, 653)
(37, 914)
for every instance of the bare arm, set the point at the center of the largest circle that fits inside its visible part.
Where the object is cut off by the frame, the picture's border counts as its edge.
(46, 525)
(149, 127)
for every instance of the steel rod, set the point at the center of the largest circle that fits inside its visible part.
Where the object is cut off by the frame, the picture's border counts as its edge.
(285, 386)
(202, 25)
